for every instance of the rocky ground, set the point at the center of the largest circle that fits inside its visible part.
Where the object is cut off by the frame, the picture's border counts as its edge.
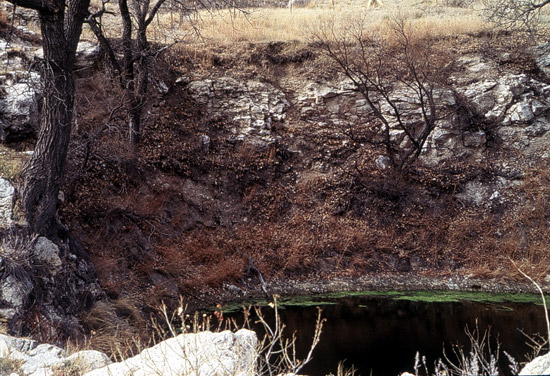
(246, 170)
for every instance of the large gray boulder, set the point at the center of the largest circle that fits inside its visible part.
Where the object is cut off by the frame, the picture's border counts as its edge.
(200, 354)
(19, 108)
(20, 89)
(538, 366)
(87, 54)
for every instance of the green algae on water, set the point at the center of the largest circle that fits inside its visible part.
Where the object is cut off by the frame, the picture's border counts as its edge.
(425, 296)
(441, 296)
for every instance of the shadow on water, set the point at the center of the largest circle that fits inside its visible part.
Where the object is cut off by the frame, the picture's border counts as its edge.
(382, 335)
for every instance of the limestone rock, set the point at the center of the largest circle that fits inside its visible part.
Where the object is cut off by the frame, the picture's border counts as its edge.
(16, 343)
(204, 354)
(87, 360)
(474, 139)
(87, 54)
(19, 91)
(47, 360)
(383, 162)
(19, 97)
(7, 192)
(538, 366)
(14, 292)
(250, 106)
(542, 57)
(46, 254)
(521, 111)
(41, 357)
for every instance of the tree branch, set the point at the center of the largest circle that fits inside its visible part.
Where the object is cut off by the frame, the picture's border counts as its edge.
(39, 5)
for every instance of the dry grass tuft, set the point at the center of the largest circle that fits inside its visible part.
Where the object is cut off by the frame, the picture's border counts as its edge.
(11, 163)
(116, 328)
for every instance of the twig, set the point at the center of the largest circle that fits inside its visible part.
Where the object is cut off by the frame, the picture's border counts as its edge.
(251, 267)
(541, 294)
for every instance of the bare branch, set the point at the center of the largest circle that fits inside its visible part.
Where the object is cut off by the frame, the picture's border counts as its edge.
(39, 5)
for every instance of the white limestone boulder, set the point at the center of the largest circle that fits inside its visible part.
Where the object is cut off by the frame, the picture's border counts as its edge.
(200, 354)
(538, 366)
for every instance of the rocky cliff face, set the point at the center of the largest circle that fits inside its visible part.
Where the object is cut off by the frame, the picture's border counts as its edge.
(503, 107)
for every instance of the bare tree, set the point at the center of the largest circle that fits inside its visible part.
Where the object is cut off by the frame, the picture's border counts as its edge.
(132, 69)
(514, 14)
(61, 26)
(399, 77)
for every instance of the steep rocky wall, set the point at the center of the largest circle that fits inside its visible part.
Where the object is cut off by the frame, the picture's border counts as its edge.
(504, 108)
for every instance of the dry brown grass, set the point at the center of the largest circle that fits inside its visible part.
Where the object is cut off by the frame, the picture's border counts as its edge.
(11, 163)
(278, 24)
(3, 19)
(486, 242)
(258, 25)
(116, 328)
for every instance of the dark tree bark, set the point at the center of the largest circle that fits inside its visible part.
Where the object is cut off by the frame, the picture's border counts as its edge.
(61, 26)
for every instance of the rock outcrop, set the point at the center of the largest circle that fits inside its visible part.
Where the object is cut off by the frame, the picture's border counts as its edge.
(20, 90)
(59, 275)
(204, 354)
(251, 108)
(25, 357)
(511, 107)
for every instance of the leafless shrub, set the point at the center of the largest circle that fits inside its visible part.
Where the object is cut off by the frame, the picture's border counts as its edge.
(277, 354)
(514, 14)
(481, 360)
(342, 370)
(537, 343)
(401, 78)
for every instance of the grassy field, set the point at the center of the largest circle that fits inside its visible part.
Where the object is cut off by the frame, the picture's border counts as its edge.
(281, 24)
(268, 24)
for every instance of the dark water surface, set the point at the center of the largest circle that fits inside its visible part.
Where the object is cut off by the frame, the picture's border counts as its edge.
(382, 335)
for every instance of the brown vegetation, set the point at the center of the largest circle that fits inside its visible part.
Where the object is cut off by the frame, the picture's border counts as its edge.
(3, 19)
(149, 235)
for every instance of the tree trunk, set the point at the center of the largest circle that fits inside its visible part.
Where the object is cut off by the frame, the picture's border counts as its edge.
(61, 25)
(141, 80)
